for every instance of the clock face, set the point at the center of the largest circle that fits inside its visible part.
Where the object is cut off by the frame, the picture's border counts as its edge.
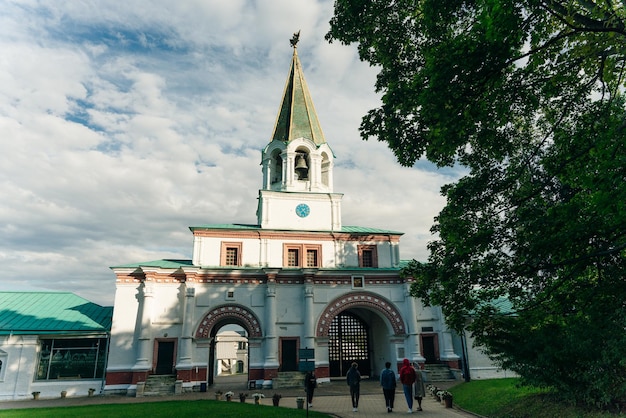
(303, 210)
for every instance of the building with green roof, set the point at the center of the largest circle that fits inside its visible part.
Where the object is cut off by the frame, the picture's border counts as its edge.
(51, 342)
(309, 292)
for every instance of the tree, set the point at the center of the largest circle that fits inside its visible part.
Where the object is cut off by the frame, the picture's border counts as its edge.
(528, 96)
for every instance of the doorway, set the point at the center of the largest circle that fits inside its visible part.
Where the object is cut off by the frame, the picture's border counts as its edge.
(165, 357)
(430, 348)
(288, 355)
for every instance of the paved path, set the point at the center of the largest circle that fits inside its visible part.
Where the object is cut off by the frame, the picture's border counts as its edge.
(332, 398)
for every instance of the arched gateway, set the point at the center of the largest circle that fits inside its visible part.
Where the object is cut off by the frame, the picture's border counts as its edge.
(296, 279)
(350, 337)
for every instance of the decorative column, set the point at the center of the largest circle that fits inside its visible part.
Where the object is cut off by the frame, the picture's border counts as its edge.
(188, 320)
(413, 334)
(315, 171)
(309, 317)
(290, 168)
(144, 346)
(271, 341)
(448, 355)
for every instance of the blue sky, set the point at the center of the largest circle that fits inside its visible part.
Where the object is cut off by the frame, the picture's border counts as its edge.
(124, 123)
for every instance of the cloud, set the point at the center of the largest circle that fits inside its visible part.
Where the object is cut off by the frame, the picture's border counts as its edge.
(123, 126)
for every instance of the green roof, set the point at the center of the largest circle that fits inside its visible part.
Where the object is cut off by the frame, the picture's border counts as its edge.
(165, 263)
(344, 229)
(297, 117)
(51, 313)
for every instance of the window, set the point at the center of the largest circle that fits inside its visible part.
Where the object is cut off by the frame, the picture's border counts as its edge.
(311, 258)
(230, 254)
(293, 257)
(302, 255)
(368, 256)
(71, 358)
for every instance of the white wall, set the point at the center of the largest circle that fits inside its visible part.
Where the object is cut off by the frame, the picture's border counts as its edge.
(269, 253)
(19, 355)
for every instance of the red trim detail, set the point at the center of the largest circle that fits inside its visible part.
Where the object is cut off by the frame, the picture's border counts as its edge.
(359, 299)
(241, 313)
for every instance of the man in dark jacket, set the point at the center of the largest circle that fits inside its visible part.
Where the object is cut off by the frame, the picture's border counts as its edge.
(388, 382)
(310, 383)
(353, 378)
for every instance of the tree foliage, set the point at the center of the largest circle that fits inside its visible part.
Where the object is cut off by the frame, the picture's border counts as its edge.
(528, 96)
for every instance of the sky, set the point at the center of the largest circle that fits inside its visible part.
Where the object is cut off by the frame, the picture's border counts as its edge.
(122, 124)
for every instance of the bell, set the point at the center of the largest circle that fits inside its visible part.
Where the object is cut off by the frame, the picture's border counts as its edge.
(301, 164)
(301, 167)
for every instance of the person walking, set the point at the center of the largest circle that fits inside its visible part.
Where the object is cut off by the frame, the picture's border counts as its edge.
(388, 382)
(353, 378)
(310, 383)
(419, 391)
(407, 377)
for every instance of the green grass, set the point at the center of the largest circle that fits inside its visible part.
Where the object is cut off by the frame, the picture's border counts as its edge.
(169, 409)
(503, 398)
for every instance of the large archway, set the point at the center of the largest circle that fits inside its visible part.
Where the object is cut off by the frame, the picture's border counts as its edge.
(358, 327)
(219, 317)
(348, 342)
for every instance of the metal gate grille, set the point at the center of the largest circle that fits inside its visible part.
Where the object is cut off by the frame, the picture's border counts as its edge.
(348, 342)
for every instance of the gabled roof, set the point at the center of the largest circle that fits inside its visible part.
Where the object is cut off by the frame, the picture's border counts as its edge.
(51, 313)
(297, 117)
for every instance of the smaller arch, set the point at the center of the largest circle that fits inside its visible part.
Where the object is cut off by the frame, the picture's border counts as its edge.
(276, 167)
(231, 311)
(360, 299)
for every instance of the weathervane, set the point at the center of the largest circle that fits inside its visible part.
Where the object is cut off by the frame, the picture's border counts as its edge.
(294, 40)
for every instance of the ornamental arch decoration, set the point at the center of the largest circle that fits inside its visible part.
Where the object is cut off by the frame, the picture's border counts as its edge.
(238, 313)
(360, 300)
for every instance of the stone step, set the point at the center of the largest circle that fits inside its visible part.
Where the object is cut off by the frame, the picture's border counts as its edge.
(438, 373)
(159, 385)
(288, 380)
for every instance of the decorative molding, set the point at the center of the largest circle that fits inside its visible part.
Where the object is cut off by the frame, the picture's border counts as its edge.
(360, 299)
(243, 316)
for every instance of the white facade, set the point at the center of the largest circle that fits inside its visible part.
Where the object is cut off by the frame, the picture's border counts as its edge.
(298, 279)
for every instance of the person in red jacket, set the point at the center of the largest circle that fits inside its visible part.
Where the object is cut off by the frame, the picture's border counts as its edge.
(407, 377)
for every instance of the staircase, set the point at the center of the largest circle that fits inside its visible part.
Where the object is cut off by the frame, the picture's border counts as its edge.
(159, 385)
(438, 373)
(288, 380)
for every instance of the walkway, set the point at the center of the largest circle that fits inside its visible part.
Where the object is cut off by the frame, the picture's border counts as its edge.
(332, 398)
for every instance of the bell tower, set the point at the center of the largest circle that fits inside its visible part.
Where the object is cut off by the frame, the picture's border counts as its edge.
(297, 164)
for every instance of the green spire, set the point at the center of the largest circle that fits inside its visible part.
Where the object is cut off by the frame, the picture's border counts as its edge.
(297, 117)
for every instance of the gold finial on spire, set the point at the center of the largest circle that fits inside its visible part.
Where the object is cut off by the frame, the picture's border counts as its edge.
(294, 40)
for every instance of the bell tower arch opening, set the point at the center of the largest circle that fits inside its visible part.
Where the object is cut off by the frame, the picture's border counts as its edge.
(276, 170)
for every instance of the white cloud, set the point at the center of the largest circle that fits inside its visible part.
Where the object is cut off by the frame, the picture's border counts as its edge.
(122, 126)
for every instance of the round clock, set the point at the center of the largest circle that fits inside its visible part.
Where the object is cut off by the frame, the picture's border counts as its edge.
(303, 210)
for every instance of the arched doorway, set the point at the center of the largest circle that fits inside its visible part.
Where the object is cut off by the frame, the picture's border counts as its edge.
(219, 318)
(348, 342)
(373, 320)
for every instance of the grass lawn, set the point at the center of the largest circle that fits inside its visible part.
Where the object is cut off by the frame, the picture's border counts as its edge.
(169, 409)
(502, 398)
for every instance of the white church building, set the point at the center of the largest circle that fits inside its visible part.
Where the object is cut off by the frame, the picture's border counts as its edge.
(297, 279)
